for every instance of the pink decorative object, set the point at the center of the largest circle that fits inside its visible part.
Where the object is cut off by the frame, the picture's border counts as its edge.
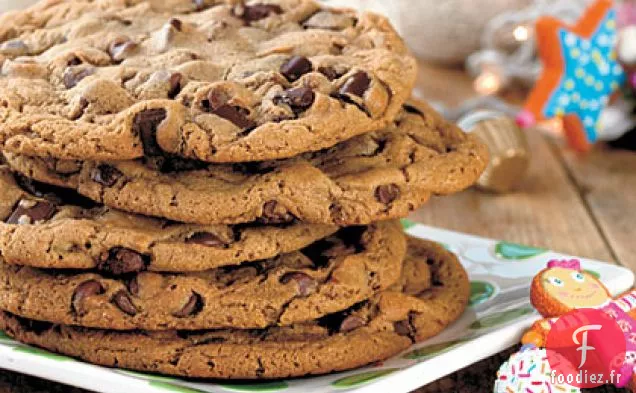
(573, 264)
(627, 13)
(525, 119)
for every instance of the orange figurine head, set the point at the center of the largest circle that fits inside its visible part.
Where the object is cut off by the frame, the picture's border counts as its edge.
(563, 287)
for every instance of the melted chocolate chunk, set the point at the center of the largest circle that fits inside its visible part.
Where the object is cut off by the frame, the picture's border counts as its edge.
(124, 303)
(119, 261)
(306, 285)
(275, 214)
(236, 115)
(329, 72)
(145, 125)
(175, 85)
(176, 23)
(193, 306)
(106, 175)
(252, 13)
(356, 85)
(133, 286)
(296, 67)
(83, 291)
(206, 239)
(387, 193)
(74, 75)
(350, 323)
(31, 212)
(299, 99)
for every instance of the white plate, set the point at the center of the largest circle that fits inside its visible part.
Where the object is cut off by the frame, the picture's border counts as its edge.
(500, 273)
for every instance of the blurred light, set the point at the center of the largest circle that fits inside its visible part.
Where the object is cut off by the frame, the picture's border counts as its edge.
(488, 83)
(553, 126)
(521, 33)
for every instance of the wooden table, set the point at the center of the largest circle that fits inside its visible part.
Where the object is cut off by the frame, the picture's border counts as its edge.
(580, 205)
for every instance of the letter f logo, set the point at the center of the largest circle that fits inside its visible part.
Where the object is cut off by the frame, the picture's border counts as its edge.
(583, 344)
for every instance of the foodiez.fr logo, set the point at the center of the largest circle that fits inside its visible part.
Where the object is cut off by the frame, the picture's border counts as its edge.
(586, 348)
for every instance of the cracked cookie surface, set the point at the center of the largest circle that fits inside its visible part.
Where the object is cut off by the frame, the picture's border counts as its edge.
(432, 293)
(327, 276)
(380, 175)
(211, 80)
(47, 227)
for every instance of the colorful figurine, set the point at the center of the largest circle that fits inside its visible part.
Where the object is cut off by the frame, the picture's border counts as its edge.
(580, 74)
(563, 287)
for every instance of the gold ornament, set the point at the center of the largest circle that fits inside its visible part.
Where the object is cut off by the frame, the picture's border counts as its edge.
(508, 145)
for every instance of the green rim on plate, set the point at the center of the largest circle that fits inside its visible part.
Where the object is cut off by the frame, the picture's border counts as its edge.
(173, 388)
(42, 353)
(514, 251)
(480, 292)
(271, 386)
(362, 378)
(501, 318)
(407, 224)
(432, 350)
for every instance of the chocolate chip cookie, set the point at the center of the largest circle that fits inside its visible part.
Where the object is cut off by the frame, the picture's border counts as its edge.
(327, 276)
(418, 307)
(211, 80)
(41, 227)
(380, 175)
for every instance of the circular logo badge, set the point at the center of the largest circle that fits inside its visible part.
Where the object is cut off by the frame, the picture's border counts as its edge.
(586, 348)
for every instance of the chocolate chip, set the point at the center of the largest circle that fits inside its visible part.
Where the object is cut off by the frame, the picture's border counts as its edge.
(74, 75)
(387, 193)
(405, 328)
(133, 286)
(296, 67)
(30, 212)
(192, 307)
(121, 48)
(236, 115)
(356, 85)
(145, 125)
(176, 23)
(119, 260)
(124, 303)
(252, 13)
(205, 239)
(74, 61)
(272, 214)
(175, 85)
(306, 284)
(106, 175)
(350, 323)
(329, 72)
(86, 289)
(299, 99)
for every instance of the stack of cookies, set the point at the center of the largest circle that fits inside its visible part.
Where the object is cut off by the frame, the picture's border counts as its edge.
(212, 189)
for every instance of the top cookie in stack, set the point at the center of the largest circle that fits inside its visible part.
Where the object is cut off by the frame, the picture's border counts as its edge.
(230, 168)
